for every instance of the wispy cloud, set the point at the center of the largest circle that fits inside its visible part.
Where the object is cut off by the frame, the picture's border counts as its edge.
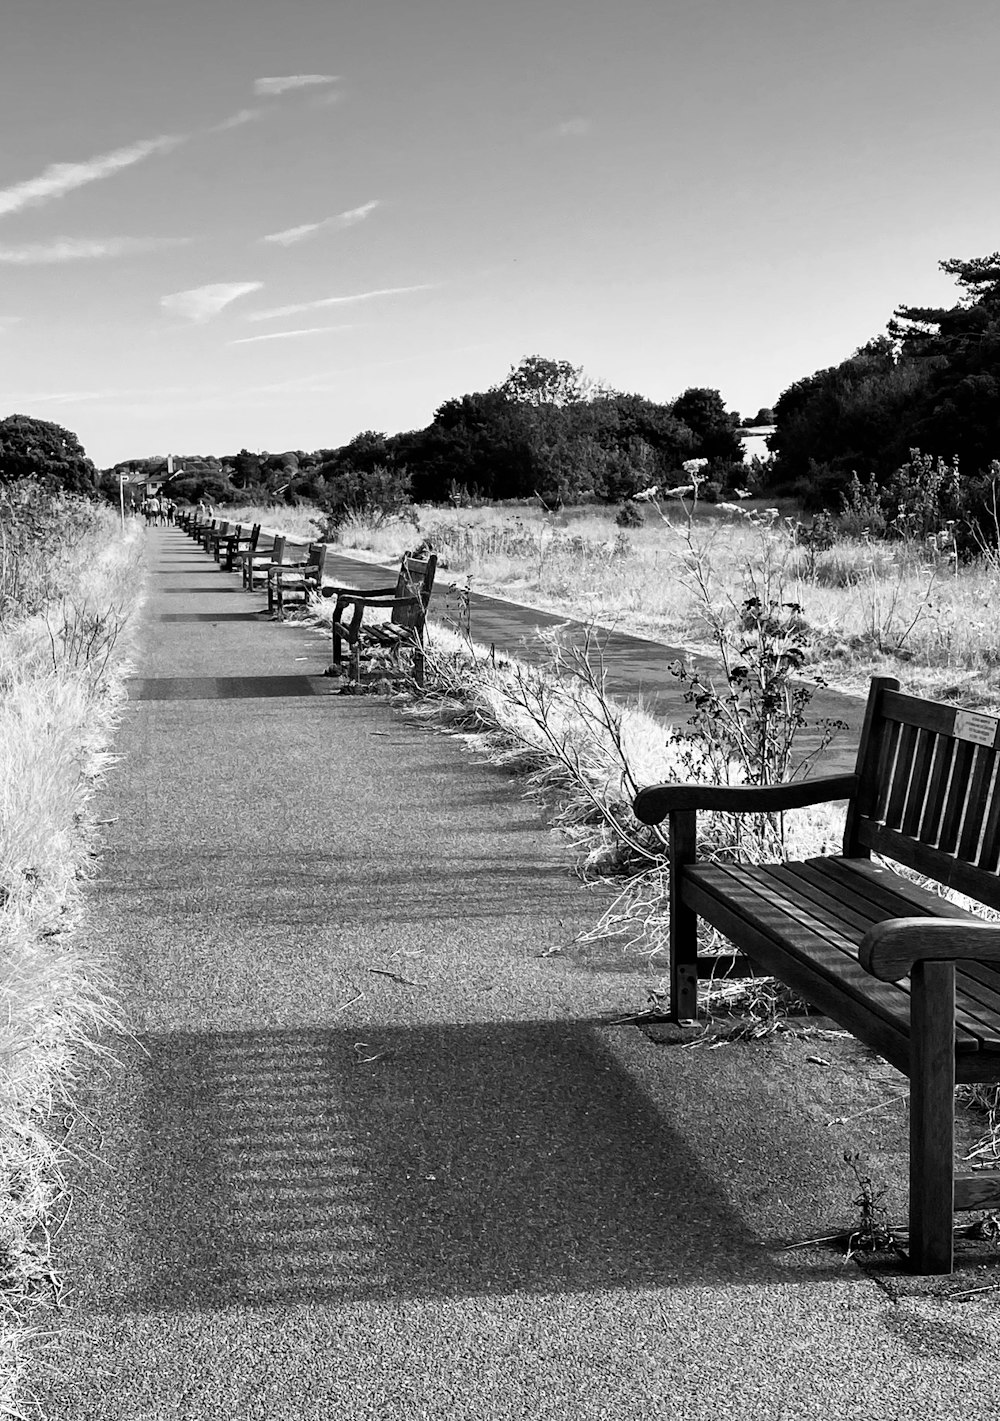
(61, 178)
(237, 120)
(268, 88)
(286, 335)
(573, 128)
(291, 235)
(76, 397)
(71, 249)
(201, 303)
(336, 301)
(8, 322)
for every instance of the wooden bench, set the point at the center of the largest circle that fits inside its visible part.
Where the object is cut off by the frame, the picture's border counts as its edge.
(913, 976)
(294, 578)
(407, 602)
(232, 544)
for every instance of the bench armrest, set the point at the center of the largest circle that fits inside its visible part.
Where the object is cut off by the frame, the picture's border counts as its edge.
(890, 949)
(653, 804)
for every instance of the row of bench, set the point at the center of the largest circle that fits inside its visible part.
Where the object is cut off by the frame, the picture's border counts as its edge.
(293, 573)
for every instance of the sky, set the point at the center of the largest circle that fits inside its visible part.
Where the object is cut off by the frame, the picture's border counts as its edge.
(231, 223)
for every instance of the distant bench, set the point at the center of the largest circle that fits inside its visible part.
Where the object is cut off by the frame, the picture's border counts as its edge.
(914, 977)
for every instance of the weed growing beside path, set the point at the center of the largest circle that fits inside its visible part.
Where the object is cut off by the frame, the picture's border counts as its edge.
(62, 664)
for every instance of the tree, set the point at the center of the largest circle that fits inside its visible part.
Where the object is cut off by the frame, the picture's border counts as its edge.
(246, 468)
(537, 381)
(35, 449)
(857, 416)
(713, 426)
(959, 347)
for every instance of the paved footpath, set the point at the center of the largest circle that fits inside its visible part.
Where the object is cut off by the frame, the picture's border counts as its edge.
(366, 1152)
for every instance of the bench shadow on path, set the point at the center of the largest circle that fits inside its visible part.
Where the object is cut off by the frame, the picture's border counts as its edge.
(342, 1165)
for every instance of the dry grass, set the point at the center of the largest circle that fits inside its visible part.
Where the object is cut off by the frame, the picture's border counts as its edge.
(61, 674)
(298, 524)
(873, 609)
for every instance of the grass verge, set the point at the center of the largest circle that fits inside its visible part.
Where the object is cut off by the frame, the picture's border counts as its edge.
(62, 669)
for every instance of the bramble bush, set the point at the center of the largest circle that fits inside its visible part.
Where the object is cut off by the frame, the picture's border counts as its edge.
(372, 498)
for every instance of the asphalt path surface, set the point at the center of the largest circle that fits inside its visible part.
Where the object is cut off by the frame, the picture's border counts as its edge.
(372, 1145)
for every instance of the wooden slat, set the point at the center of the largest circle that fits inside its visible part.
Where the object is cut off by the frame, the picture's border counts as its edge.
(881, 1034)
(959, 790)
(976, 792)
(976, 1012)
(889, 738)
(977, 1189)
(803, 881)
(974, 985)
(901, 776)
(944, 755)
(952, 872)
(887, 895)
(990, 850)
(919, 780)
(893, 895)
(827, 952)
(934, 716)
(872, 750)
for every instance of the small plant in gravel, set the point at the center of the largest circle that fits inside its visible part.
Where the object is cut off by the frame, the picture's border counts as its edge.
(873, 1233)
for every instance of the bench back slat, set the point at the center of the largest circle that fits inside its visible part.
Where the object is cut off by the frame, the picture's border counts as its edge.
(930, 798)
(989, 850)
(978, 799)
(969, 783)
(416, 579)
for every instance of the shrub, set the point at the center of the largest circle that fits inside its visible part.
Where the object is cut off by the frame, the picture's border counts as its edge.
(370, 498)
(630, 516)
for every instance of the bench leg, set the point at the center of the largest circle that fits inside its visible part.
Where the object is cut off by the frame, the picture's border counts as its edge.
(932, 1117)
(683, 920)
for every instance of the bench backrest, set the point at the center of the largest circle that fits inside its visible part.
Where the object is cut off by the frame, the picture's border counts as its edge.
(929, 791)
(416, 579)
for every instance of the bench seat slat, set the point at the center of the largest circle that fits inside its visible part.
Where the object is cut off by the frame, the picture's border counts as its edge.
(977, 1007)
(829, 954)
(773, 898)
(943, 868)
(885, 888)
(883, 1035)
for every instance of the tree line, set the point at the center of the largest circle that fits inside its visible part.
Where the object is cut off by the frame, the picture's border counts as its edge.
(930, 383)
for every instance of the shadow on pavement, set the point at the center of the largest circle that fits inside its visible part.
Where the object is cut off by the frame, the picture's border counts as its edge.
(224, 688)
(211, 616)
(410, 1162)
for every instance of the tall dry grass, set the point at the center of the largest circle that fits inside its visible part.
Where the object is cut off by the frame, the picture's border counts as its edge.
(907, 609)
(62, 666)
(298, 524)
